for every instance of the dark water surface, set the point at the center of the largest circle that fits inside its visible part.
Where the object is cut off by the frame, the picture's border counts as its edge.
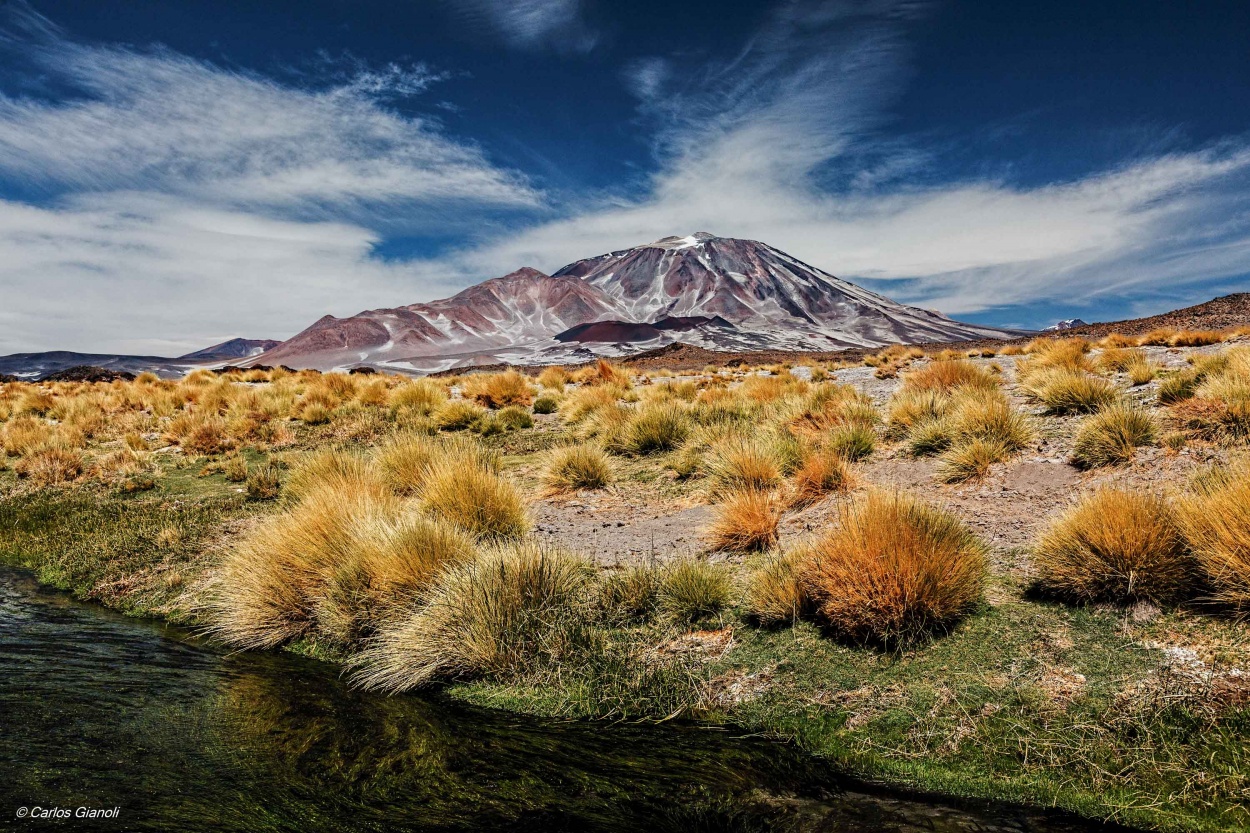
(101, 711)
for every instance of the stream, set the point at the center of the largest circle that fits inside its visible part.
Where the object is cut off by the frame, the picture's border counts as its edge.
(169, 733)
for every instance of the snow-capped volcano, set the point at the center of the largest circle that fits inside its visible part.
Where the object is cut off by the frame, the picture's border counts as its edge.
(715, 292)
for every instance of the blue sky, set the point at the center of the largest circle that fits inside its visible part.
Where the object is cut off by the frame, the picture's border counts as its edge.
(178, 173)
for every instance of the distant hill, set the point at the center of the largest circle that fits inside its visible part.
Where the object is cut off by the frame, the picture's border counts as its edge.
(235, 348)
(1227, 312)
(43, 365)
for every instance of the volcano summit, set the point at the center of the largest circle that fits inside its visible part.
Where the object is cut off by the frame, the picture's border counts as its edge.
(720, 293)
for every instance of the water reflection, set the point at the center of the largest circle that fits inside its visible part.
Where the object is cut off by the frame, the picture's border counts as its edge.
(98, 710)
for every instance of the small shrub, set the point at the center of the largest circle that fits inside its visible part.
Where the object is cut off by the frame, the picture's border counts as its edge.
(822, 472)
(631, 595)
(457, 415)
(1064, 392)
(508, 611)
(514, 418)
(263, 483)
(1216, 521)
(1112, 436)
(546, 404)
(971, 460)
(852, 442)
(1117, 546)
(660, 426)
(474, 498)
(578, 467)
(894, 570)
(236, 469)
(745, 521)
(692, 589)
(775, 593)
(497, 390)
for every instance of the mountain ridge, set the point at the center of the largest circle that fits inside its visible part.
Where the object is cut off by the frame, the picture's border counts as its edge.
(767, 299)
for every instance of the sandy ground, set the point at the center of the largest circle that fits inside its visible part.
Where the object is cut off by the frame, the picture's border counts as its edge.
(633, 523)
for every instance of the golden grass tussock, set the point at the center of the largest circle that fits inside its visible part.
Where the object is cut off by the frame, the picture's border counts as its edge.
(630, 595)
(1063, 391)
(474, 498)
(822, 472)
(745, 521)
(554, 378)
(405, 460)
(1216, 522)
(894, 570)
(497, 390)
(333, 468)
(739, 461)
(422, 397)
(692, 589)
(971, 459)
(775, 593)
(1115, 545)
(1112, 436)
(50, 466)
(603, 372)
(654, 427)
(503, 613)
(269, 586)
(948, 375)
(457, 415)
(580, 404)
(576, 467)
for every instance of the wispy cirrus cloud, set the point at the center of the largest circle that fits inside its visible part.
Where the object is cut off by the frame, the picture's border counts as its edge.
(533, 24)
(173, 201)
(782, 143)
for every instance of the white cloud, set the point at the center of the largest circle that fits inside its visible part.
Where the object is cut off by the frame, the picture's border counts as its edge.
(131, 272)
(181, 203)
(533, 24)
(744, 146)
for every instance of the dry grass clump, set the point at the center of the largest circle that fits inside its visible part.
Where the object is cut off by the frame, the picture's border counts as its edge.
(1112, 436)
(577, 467)
(1133, 361)
(822, 472)
(630, 595)
(23, 434)
(1061, 354)
(1062, 391)
(894, 570)
(457, 415)
(497, 390)
(656, 426)
(271, 584)
(775, 593)
(1211, 401)
(1216, 521)
(332, 467)
(738, 462)
(603, 372)
(501, 614)
(692, 589)
(50, 466)
(461, 491)
(421, 398)
(948, 375)
(554, 378)
(746, 521)
(582, 403)
(263, 483)
(546, 404)
(1196, 338)
(1115, 545)
(404, 461)
(971, 460)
